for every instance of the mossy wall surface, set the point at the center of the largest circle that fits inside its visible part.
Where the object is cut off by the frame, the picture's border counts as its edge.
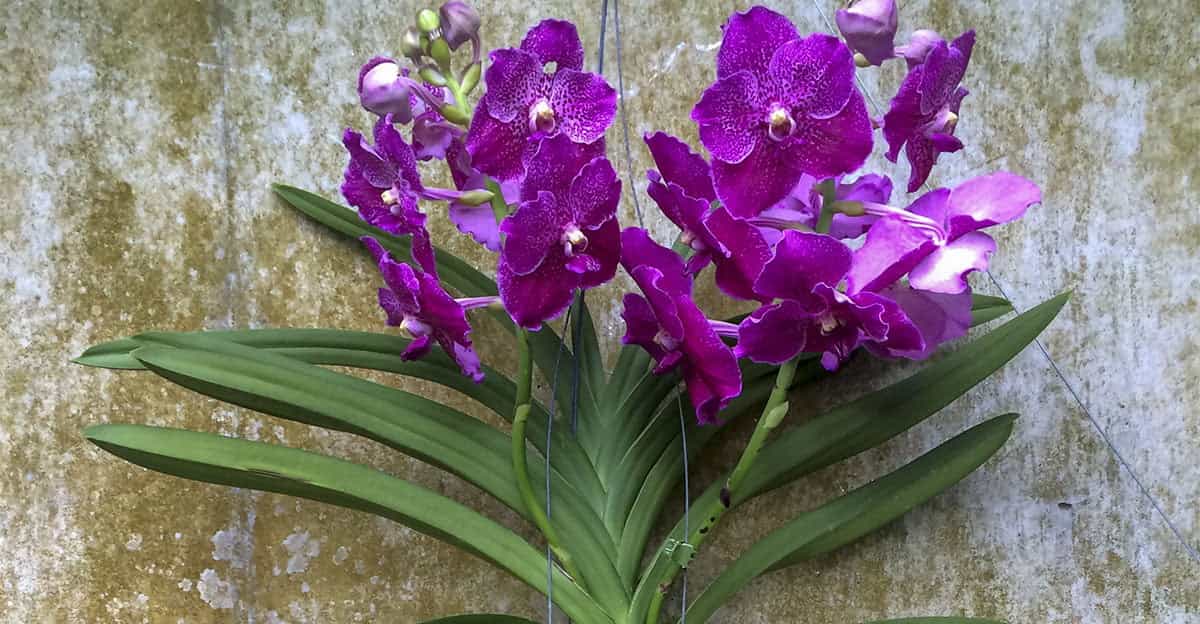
(140, 139)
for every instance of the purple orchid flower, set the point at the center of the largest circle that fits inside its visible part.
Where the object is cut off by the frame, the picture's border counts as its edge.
(939, 317)
(869, 27)
(477, 221)
(667, 323)
(781, 107)
(524, 103)
(937, 241)
(564, 235)
(415, 302)
(813, 315)
(383, 183)
(923, 115)
(682, 188)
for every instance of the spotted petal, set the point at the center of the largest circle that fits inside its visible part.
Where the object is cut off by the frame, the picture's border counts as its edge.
(555, 41)
(751, 38)
(584, 104)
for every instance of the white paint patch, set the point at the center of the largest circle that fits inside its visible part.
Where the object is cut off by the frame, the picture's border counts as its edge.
(340, 555)
(301, 548)
(217, 593)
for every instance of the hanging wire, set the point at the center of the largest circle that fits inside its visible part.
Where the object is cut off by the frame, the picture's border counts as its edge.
(637, 205)
(687, 505)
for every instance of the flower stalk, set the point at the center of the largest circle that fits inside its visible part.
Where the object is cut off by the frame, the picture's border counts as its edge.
(772, 414)
(519, 458)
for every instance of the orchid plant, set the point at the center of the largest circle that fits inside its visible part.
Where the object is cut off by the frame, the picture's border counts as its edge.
(828, 266)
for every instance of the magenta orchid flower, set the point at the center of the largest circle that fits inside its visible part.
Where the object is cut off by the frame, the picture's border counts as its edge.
(937, 241)
(781, 107)
(524, 103)
(666, 322)
(564, 234)
(682, 188)
(382, 182)
(869, 27)
(924, 113)
(415, 302)
(812, 315)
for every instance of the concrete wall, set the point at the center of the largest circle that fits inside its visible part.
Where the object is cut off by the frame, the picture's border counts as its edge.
(139, 140)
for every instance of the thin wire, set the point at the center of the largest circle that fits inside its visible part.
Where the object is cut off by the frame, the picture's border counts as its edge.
(1191, 550)
(637, 206)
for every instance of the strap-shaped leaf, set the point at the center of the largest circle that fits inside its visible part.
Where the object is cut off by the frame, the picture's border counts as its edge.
(874, 418)
(373, 351)
(452, 270)
(986, 307)
(278, 385)
(858, 513)
(240, 463)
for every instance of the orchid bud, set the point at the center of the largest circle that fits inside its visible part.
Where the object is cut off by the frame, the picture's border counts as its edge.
(439, 51)
(411, 45)
(475, 197)
(869, 27)
(470, 78)
(428, 21)
(460, 23)
(431, 75)
(919, 45)
(382, 90)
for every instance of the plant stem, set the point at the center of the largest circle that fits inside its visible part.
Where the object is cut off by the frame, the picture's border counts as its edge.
(520, 465)
(774, 411)
(828, 190)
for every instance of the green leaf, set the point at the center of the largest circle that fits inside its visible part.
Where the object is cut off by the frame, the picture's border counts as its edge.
(375, 351)
(875, 418)
(275, 384)
(452, 270)
(240, 463)
(858, 513)
(481, 618)
(985, 308)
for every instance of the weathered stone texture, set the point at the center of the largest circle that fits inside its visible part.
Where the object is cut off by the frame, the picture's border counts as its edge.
(141, 138)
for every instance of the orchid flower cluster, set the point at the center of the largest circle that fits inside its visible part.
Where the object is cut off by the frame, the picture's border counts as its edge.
(825, 258)
(781, 208)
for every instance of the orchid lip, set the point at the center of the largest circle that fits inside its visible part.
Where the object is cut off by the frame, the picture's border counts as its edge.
(414, 326)
(541, 116)
(574, 240)
(780, 123)
(665, 340)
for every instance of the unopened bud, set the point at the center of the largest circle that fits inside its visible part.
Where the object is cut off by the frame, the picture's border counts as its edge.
(411, 45)
(775, 416)
(431, 75)
(454, 114)
(470, 78)
(476, 197)
(428, 21)
(460, 23)
(439, 50)
(382, 90)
